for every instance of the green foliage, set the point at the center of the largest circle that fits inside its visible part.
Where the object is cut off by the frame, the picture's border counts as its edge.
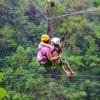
(3, 92)
(7, 39)
(19, 58)
(91, 89)
(74, 25)
(76, 60)
(1, 76)
(96, 29)
(96, 3)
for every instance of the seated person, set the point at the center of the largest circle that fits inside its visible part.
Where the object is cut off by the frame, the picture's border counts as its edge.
(56, 52)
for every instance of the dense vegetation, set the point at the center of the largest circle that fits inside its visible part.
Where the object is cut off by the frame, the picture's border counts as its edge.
(21, 26)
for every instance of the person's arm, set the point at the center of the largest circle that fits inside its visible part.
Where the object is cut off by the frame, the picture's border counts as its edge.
(46, 45)
(50, 55)
(53, 58)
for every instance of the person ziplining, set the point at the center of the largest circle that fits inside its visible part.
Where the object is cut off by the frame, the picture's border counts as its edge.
(48, 55)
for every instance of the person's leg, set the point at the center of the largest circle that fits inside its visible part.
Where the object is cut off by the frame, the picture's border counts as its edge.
(66, 68)
(66, 72)
(47, 67)
(69, 68)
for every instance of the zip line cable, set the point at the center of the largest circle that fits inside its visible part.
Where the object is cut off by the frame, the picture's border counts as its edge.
(75, 13)
(33, 3)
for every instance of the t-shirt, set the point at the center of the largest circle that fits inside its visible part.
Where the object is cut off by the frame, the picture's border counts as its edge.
(42, 53)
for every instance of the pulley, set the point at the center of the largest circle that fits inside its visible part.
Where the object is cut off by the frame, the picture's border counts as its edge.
(51, 3)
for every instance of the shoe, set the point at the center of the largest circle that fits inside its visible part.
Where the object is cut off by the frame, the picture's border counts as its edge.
(68, 73)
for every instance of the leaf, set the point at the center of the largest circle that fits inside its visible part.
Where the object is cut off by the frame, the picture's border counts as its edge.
(1, 76)
(3, 93)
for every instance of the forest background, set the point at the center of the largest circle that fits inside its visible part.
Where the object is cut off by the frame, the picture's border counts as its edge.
(22, 24)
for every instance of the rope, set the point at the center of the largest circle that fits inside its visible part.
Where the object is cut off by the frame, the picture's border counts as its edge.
(49, 30)
(39, 9)
(75, 13)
